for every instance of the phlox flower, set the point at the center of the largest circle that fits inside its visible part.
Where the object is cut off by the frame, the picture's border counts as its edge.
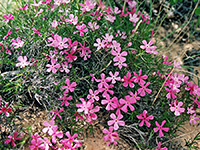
(118, 55)
(65, 100)
(70, 57)
(13, 138)
(65, 67)
(78, 116)
(57, 113)
(127, 103)
(84, 107)
(193, 88)
(111, 136)
(103, 81)
(139, 78)
(177, 64)
(87, 6)
(120, 64)
(171, 92)
(36, 143)
(25, 7)
(128, 80)
(110, 102)
(81, 28)
(193, 119)
(97, 15)
(18, 43)
(5, 110)
(93, 26)
(91, 115)
(93, 95)
(117, 106)
(56, 134)
(106, 90)
(116, 10)
(69, 86)
(116, 48)
(49, 127)
(144, 89)
(134, 96)
(149, 49)
(53, 66)
(54, 24)
(145, 118)
(195, 102)
(100, 44)
(190, 110)
(160, 128)
(86, 55)
(132, 4)
(36, 32)
(159, 147)
(8, 34)
(37, 4)
(110, 18)
(116, 121)
(133, 18)
(73, 19)
(8, 18)
(22, 62)
(113, 77)
(61, 43)
(177, 108)
(107, 37)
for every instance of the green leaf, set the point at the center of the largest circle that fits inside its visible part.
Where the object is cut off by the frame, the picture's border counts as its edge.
(197, 11)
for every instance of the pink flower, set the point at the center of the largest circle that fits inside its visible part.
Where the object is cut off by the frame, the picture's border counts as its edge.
(133, 18)
(139, 78)
(93, 26)
(5, 110)
(36, 142)
(25, 7)
(116, 121)
(61, 42)
(102, 81)
(69, 86)
(134, 96)
(73, 19)
(109, 102)
(106, 89)
(84, 107)
(49, 127)
(113, 77)
(56, 113)
(118, 55)
(160, 128)
(171, 92)
(149, 49)
(177, 64)
(110, 18)
(8, 18)
(65, 67)
(65, 100)
(36, 32)
(87, 6)
(127, 103)
(145, 118)
(18, 43)
(99, 44)
(91, 115)
(53, 67)
(159, 147)
(144, 89)
(111, 136)
(93, 95)
(193, 119)
(108, 38)
(177, 108)
(116, 10)
(54, 24)
(22, 62)
(12, 139)
(128, 80)
(81, 28)
(56, 134)
(9, 33)
(190, 110)
(120, 64)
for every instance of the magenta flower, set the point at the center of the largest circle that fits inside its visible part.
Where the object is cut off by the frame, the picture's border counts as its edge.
(8, 34)
(159, 147)
(81, 28)
(69, 86)
(56, 134)
(160, 128)
(109, 102)
(8, 18)
(25, 7)
(118, 55)
(91, 115)
(127, 103)
(36, 32)
(49, 127)
(120, 64)
(111, 136)
(139, 78)
(177, 108)
(128, 80)
(18, 43)
(149, 49)
(102, 81)
(12, 139)
(84, 107)
(65, 100)
(144, 89)
(56, 113)
(193, 119)
(5, 110)
(145, 118)
(171, 92)
(36, 143)
(134, 96)
(53, 67)
(116, 121)
(106, 90)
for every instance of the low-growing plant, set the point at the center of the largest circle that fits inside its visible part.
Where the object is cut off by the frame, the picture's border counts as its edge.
(89, 62)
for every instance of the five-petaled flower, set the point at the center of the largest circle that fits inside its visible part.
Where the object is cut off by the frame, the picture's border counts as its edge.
(159, 147)
(111, 136)
(12, 139)
(116, 121)
(177, 108)
(160, 128)
(69, 86)
(145, 118)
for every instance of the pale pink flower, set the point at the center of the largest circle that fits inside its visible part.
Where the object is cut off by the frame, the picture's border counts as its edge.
(73, 19)
(54, 24)
(111, 136)
(149, 49)
(65, 67)
(177, 108)
(145, 118)
(113, 77)
(84, 107)
(22, 62)
(132, 4)
(133, 18)
(190, 110)
(53, 66)
(93, 95)
(48, 127)
(116, 121)
(110, 18)
(107, 37)
(18, 43)
(103, 81)
(193, 119)
(93, 26)
(177, 64)
(81, 28)
(119, 56)
(56, 134)
(100, 44)
(87, 6)
(160, 128)
(120, 64)
(116, 10)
